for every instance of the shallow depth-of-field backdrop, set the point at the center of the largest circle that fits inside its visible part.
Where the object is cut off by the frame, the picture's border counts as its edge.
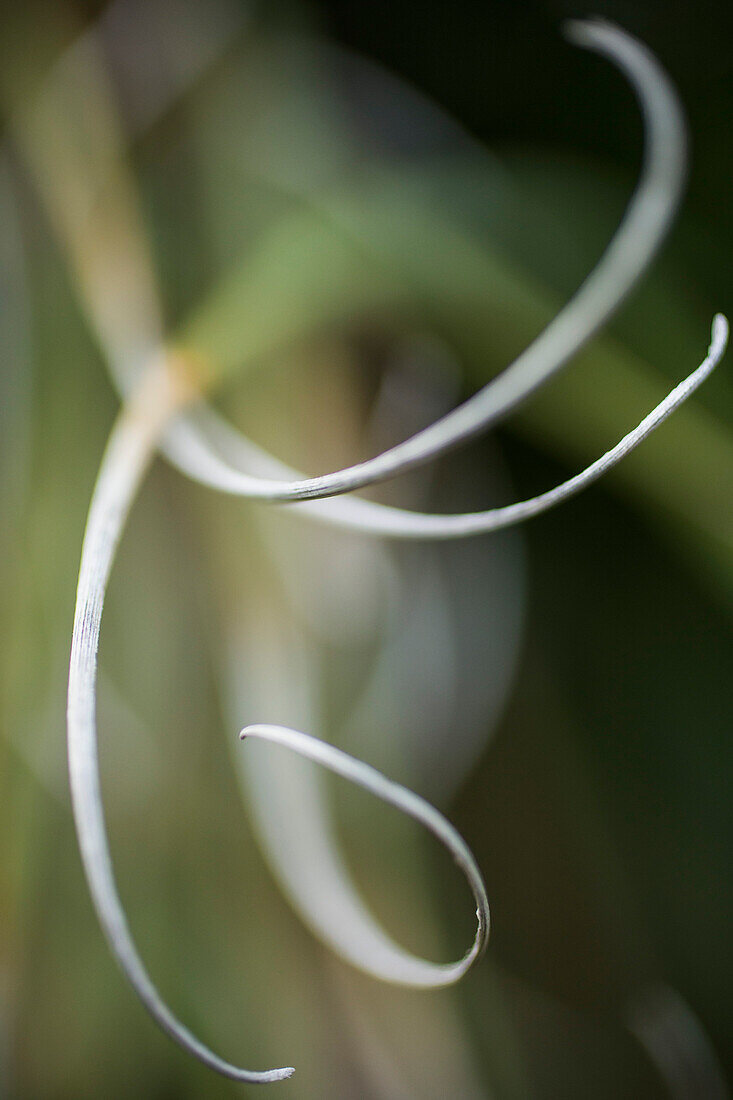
(563, 692)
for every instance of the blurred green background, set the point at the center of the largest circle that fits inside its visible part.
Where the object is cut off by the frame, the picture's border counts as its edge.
(561, 692)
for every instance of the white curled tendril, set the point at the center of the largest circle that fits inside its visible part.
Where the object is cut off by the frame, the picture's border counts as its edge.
(414, 972)
(129, 452)
(633, 246)
(401, 523)
(147, 416)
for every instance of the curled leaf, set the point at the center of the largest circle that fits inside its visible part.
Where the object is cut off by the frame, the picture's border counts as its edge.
(356, 937)
(129, 451)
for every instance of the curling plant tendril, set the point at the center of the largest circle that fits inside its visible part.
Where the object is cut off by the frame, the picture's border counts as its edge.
(163, 385)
